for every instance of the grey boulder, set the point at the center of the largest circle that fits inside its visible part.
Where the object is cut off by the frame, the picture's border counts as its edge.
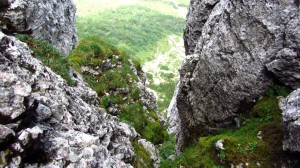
(236, 51)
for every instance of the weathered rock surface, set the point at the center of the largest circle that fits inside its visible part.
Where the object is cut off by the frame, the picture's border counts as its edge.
(46, 123)
(150, 148)
(53, 21)
(290, 107)
(237, 49)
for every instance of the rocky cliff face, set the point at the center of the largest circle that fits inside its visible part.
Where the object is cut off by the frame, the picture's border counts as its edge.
(237, 49)
(45, 122)
(53, 21)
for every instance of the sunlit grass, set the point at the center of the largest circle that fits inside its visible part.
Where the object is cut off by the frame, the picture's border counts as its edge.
(135, 29)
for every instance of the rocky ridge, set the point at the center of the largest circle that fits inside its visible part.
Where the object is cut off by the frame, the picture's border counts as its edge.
(53, 21)
(60, 125)
(236, 51)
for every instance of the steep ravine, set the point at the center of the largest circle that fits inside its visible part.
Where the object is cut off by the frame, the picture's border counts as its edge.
(236, 103)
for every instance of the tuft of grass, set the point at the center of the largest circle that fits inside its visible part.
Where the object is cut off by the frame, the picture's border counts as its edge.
(50, 56)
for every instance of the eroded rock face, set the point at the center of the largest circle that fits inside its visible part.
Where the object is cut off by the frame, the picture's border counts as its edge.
(236, 50)
(53, 21)
(45, 122)
(290, 107)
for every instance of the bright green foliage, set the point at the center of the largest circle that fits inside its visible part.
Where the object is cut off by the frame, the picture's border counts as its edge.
(49, 56)
(142, 159)
(91, 52)
(133, 28)
(166, 150)
(242, 145)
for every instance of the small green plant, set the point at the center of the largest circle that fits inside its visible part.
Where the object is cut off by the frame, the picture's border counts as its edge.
(167, 148)
(252, 146)
(240, 149)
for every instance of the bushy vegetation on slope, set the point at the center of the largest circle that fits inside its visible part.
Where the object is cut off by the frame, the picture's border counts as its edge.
(94, 53)
(258, 142)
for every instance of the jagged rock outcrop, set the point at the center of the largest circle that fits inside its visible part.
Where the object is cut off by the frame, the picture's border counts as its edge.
(53, 21)
(237, 50)
(290, 107)
(45, 122)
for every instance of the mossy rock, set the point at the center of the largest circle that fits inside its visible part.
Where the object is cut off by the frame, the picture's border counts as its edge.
(142, 158)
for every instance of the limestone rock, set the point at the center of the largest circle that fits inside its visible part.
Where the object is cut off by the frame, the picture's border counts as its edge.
(290, 107)
(237, 49)
(219, 144)
(51, 124)
(53, 21)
